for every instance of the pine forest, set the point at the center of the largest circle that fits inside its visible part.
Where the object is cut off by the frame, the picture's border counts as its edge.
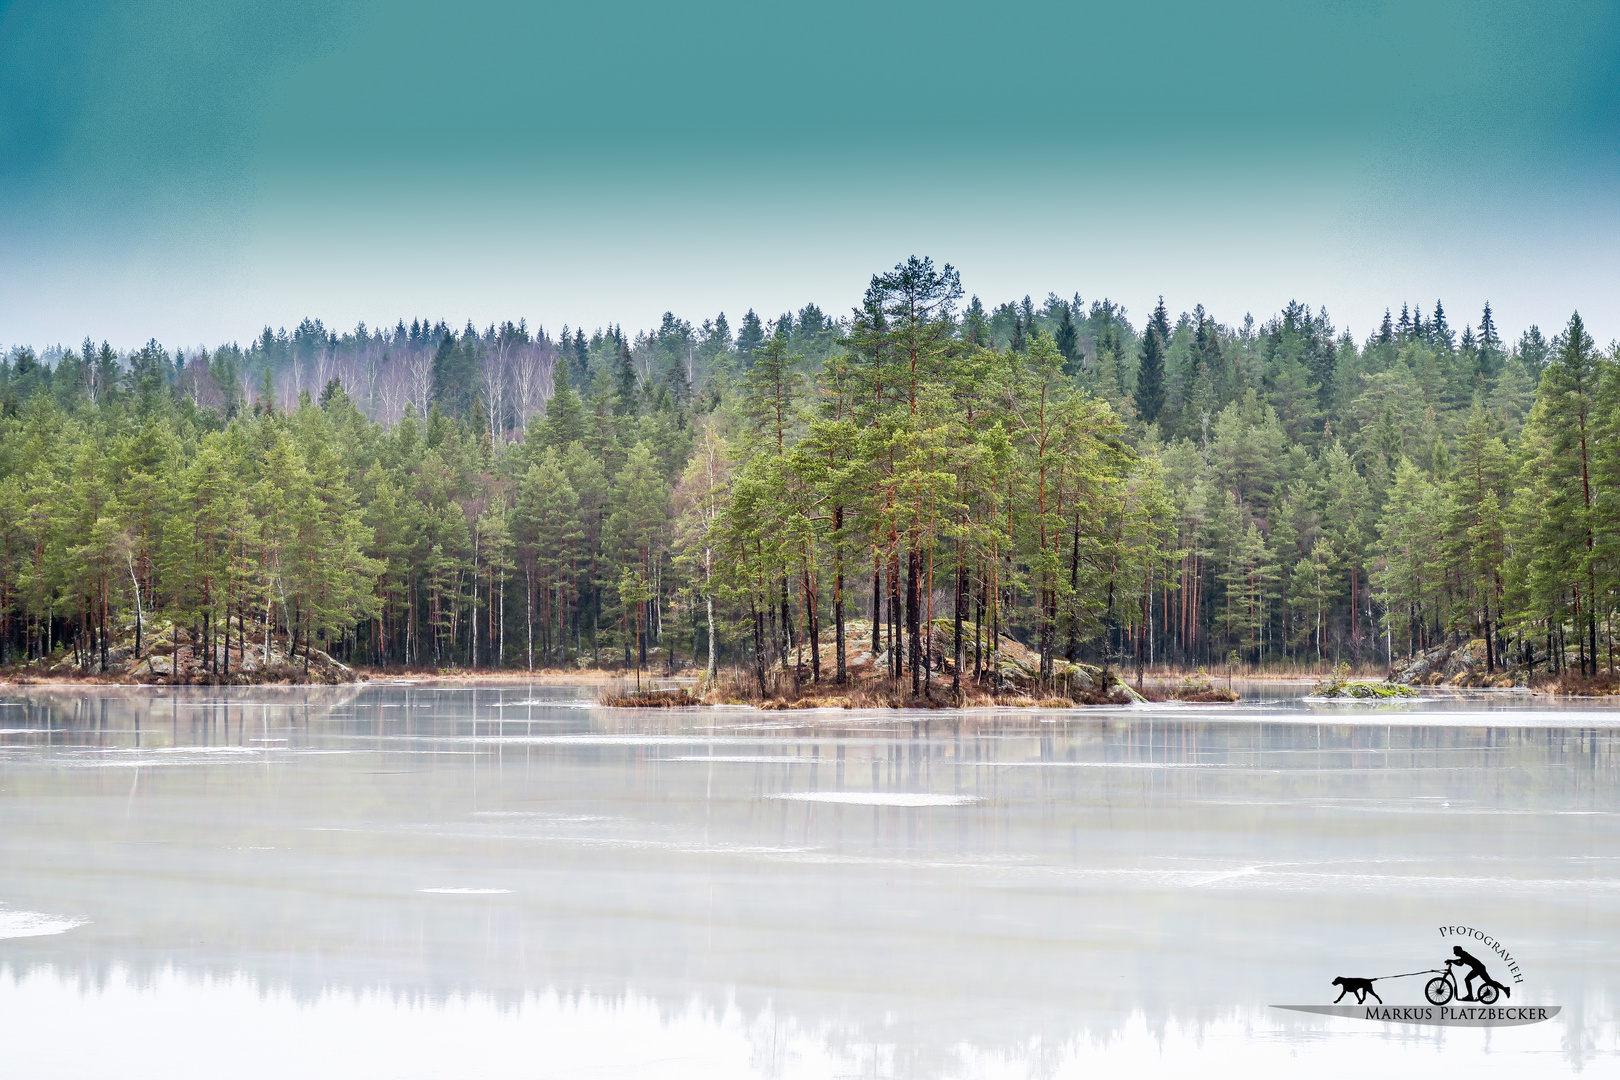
(943, 476)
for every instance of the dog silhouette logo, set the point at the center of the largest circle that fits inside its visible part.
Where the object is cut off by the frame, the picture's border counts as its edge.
(1362, 988)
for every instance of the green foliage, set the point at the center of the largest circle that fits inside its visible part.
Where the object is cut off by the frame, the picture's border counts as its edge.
(1183, 491)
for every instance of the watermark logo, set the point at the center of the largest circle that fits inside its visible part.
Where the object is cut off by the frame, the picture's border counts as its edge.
(1461, 991)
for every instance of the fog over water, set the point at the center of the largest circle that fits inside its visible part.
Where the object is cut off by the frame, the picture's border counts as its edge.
(398, 880)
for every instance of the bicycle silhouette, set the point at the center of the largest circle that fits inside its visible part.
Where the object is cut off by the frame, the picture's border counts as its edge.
(1443, 987)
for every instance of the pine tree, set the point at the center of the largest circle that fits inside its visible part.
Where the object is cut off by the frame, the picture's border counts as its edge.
(550, 534)
(636, 538)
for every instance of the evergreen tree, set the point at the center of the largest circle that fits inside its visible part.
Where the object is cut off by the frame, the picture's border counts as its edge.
(1565, 412)
(625, 384)
(565, 415)
(749, 338)
(1067, 340)
(1149, 394)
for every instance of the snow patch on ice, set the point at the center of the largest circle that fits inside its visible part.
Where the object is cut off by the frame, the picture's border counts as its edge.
(15, 924)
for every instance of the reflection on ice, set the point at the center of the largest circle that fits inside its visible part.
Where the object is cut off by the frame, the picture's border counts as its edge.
(171, 1025)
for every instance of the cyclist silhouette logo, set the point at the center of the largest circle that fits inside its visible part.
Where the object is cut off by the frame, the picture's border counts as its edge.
(1443, 987)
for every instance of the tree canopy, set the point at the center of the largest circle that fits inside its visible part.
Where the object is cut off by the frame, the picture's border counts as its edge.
(945, 474)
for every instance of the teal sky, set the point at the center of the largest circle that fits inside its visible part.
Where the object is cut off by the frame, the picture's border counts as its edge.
(195, 169)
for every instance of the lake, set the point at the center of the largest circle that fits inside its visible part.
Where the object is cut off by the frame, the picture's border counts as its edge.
(420, 881)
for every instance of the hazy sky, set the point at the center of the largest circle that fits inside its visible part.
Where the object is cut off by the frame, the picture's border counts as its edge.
(196, 169)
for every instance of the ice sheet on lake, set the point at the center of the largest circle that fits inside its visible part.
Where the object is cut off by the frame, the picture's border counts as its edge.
(1141, 878)
(754, 759)
(580, 740)
(877, 798)
(1107, 764)
(196, 750)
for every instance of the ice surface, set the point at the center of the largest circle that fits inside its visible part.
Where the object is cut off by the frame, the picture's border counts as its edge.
(397, 883)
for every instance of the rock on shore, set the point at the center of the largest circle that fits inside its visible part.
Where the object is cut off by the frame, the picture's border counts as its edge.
(1460, 664)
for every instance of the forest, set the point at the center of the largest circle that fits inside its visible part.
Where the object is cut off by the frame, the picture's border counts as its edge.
(1169, 492)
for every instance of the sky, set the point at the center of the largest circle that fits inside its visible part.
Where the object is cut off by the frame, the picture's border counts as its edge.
(194, 170)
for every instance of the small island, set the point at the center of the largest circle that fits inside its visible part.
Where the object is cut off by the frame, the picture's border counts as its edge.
(1339, 686)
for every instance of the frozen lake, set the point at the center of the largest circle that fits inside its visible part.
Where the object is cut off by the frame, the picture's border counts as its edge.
(402, 881)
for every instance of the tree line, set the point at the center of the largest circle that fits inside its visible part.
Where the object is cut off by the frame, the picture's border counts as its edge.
(939, 474)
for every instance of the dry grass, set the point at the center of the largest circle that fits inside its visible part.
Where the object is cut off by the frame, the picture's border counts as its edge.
(1196, 686)
(1571, 684)
(650, 699)
(1215, 694)
(480, 675)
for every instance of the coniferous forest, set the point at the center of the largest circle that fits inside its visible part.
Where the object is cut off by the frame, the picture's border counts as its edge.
(1164, 490)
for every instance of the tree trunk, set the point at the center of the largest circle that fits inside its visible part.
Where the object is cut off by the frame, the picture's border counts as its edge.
(713, 668)
(956, 629)
(812, 625)
(978, 628)
(759, 647)
(913, 615)
(838, 595)
(104, 660)
(897, 620)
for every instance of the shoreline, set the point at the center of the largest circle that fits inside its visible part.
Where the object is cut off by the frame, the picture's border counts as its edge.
(589, 675)
(606, 678)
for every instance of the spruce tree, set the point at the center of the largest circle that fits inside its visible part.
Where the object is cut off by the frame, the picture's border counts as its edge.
(1067, 339)
(750, 336)
(1489, 344)
(565, 414)
(1149, 394)
(626, 399)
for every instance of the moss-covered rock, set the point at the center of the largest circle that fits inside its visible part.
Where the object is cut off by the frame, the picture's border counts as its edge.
(1366, 689)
